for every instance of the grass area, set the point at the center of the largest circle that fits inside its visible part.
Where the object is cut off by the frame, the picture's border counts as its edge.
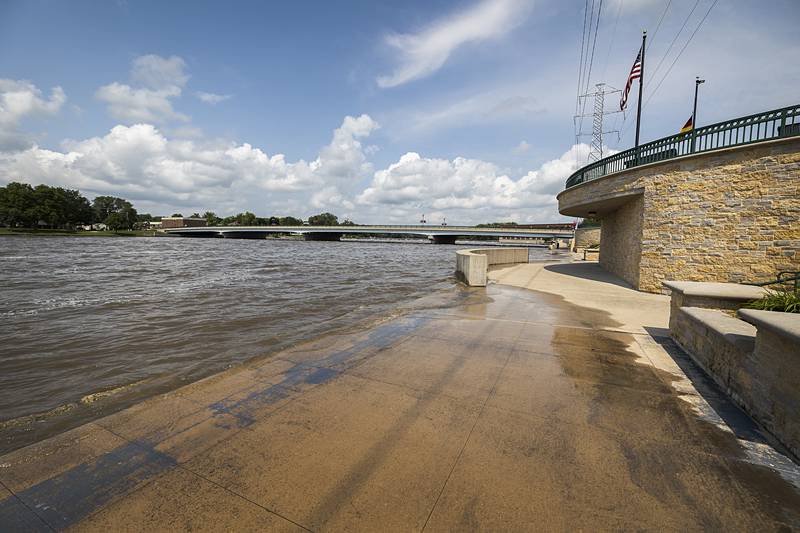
(68, 233)
(786, 301)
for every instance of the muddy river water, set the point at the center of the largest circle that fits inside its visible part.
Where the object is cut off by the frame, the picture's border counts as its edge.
(90, 325)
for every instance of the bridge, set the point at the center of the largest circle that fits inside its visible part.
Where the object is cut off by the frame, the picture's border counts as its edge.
(436, 234)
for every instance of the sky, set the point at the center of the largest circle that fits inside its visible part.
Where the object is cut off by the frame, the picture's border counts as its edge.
(379, 112)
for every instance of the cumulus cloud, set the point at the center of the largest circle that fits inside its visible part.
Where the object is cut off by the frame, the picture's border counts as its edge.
(158, 81)
(212, 98)
(140, 162)
(423, 53)
(20, 99)
(472, 189)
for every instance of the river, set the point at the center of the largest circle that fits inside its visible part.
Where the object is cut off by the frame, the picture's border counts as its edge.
(91, 325)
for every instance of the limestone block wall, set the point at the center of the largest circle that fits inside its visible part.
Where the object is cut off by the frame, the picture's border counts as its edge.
(756, 365)
(621, 242)
(732, 215)
(585, 237)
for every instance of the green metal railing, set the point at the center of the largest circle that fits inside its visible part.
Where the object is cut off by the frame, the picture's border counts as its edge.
(788, 279)
(776, 124)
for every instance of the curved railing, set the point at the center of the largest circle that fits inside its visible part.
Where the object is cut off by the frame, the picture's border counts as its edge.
(776, 124)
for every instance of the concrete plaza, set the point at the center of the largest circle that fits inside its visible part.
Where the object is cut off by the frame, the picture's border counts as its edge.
(549, 401)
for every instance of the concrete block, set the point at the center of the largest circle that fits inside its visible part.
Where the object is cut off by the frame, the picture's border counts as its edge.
(471, 265)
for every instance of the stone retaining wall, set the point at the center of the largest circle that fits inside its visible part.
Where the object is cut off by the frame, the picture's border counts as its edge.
(732, 215)
(758, 366)
(586, 237)
(471, 265)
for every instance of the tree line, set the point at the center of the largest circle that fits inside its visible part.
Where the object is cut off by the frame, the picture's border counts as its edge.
(22, 205)
(250, 219)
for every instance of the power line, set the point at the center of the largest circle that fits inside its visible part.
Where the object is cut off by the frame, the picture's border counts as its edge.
(652, 93)
(682, 49)
(611, 43)
(626, 129)
(580, 64)
(663, 57)
(591, 60)
(660, 20)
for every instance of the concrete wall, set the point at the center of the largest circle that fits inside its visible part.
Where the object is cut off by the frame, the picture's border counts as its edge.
(730, 215)
(471, 265)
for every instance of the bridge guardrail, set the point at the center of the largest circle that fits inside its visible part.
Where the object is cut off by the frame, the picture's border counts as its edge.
(766, 126)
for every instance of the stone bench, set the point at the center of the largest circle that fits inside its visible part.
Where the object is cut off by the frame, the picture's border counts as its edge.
(756, 360)
(776, 384)
(709, 295)
(718, 342)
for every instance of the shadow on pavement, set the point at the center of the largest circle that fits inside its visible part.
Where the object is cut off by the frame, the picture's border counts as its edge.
(590, 271)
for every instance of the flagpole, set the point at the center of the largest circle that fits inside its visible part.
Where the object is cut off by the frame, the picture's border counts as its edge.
(641, 87)
(697, 83)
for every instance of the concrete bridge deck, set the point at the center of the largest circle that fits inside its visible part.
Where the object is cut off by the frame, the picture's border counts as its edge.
(437, 234)
(489, 409)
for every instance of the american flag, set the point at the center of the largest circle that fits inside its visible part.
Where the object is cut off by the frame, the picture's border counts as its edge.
(636, 73)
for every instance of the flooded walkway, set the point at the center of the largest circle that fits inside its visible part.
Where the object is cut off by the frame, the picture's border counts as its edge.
(555, 404)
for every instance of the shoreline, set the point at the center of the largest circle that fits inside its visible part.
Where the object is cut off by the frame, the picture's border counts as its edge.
(107, 402)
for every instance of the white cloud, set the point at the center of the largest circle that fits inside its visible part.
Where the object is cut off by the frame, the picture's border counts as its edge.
(20, 99)
(158, 72)
(212, 98)
(140, 105)
(471, 190)
(421, 54)
(160, 80)
(140, 162)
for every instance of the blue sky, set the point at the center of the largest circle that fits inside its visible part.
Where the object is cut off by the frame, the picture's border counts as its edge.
(457, 109)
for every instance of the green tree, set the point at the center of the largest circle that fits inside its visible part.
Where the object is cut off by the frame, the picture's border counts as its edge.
(290, 221)
(246, 219)
(16, 205)
(116, 222)
(23, 205)
(196, 215)
(211, 218)
(125, 216)
(176, 215)
(323, 219)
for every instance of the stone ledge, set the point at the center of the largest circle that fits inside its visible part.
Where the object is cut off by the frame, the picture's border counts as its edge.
(736, 332)
(782, 324)
(714, 290)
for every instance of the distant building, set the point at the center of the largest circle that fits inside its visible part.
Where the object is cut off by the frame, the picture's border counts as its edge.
(152, 224)
(94, 227)
(182, 222)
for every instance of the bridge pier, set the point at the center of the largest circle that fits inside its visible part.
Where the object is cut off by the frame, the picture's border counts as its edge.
(322, 236)
(444, 239)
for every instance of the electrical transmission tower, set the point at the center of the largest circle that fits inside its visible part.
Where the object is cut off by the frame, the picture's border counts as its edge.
(596, 150)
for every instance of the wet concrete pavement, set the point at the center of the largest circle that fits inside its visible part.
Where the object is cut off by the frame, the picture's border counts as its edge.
(504, 408)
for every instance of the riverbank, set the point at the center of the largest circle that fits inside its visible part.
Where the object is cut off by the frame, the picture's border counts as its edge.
(29, 232)
(498, 408)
